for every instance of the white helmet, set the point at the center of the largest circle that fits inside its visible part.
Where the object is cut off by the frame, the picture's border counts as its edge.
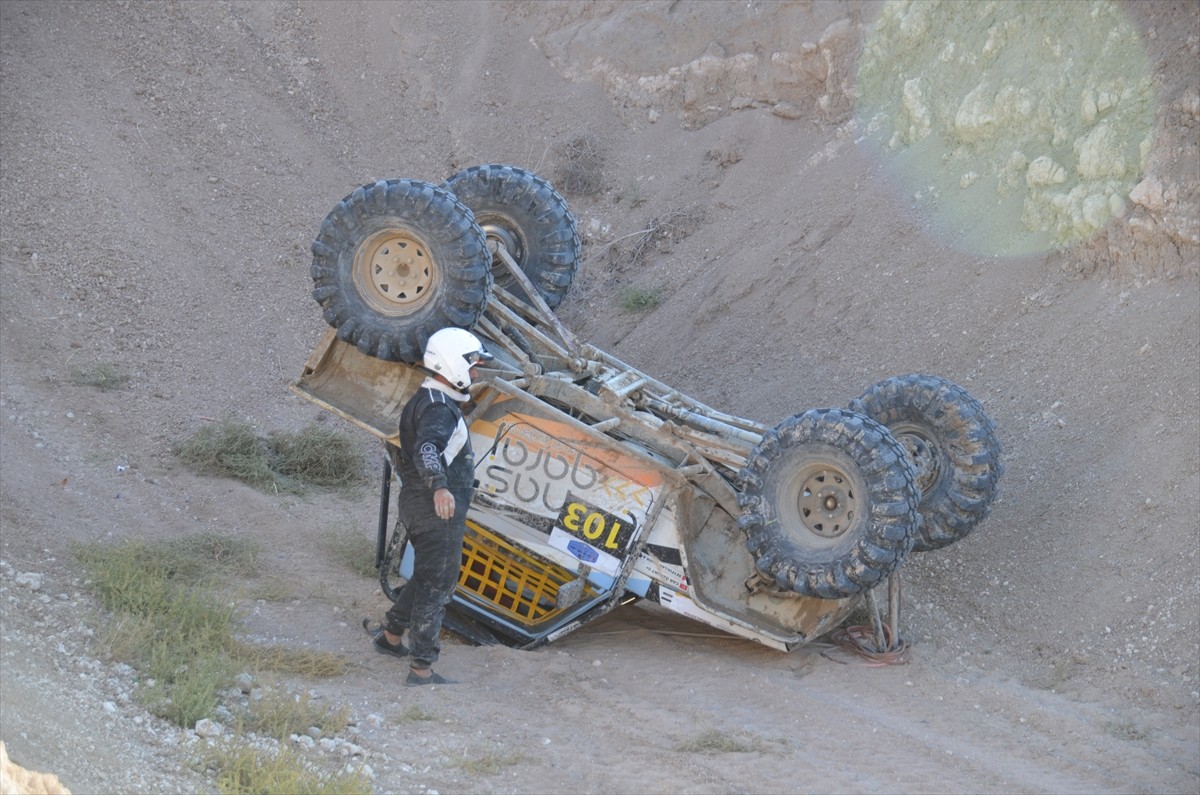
(452, 352)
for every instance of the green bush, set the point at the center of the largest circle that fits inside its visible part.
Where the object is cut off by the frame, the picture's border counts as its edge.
(640, 299)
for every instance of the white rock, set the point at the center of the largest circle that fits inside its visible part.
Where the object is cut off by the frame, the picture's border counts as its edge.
(208, 728)
(1044, 171)
(1149, 194)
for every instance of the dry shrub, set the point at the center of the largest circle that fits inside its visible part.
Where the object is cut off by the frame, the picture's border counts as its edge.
(724, 157)
(663, 231)
(580, 169)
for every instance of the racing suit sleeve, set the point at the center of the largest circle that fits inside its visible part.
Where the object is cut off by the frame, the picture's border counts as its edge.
(433, 430)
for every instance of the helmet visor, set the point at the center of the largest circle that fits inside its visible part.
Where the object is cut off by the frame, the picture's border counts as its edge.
(477, 357)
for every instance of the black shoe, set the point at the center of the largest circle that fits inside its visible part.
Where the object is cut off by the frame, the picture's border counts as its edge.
(412, 680)
(380, 641)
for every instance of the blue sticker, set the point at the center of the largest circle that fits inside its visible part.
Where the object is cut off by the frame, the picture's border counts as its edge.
(582, 551)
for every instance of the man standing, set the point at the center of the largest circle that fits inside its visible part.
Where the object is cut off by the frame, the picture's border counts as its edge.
(436, 469)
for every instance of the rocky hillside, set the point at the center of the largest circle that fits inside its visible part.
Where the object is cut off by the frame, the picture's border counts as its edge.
(818, 195)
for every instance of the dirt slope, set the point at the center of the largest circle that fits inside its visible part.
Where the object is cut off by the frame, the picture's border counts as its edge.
(164, 166)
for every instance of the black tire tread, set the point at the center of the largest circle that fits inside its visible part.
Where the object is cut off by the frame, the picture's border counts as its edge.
(892, 496)
(514, 196)
(966, 438)
(459, 250)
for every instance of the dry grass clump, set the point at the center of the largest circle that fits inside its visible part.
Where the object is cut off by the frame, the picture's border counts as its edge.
(580, 168)
(306, 663)
(281, 714)
(104, 377)
(232, 449)
(415, 712)
(714, 741)
(317, 456)
(243, 769)
(282, 463)
(489, 763)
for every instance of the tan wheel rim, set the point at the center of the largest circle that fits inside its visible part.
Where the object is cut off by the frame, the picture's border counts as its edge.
(827, 503)
(394, 273)
(821, 504)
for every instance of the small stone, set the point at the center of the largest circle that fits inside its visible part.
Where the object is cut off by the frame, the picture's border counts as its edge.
(208, 728)
(786, 110)
(1149, 194)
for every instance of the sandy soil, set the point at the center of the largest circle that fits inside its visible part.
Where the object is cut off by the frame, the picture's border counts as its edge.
(164, 168)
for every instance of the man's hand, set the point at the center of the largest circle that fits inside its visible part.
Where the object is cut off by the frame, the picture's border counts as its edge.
(443, 503)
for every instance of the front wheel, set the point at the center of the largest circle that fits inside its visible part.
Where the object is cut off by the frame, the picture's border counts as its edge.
(394, 262)
(829, 503)
(952, 445)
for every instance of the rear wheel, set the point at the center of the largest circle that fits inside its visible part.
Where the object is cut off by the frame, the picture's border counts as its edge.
(396, 261)
(952, 445)
(829, 503)
(525, 213)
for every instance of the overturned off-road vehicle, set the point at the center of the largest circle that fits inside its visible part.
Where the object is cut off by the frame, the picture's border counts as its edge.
(598, 484)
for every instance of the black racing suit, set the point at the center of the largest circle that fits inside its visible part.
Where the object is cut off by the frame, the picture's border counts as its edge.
(430, 423)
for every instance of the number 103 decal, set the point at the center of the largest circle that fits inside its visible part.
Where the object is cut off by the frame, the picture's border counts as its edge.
(599, 528)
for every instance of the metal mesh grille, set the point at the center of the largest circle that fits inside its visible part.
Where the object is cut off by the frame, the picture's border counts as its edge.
(516, 584)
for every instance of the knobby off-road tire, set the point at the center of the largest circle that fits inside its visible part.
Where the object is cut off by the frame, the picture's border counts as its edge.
(829, 503)
(394, 262)
(526, 214)
(952, 445)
